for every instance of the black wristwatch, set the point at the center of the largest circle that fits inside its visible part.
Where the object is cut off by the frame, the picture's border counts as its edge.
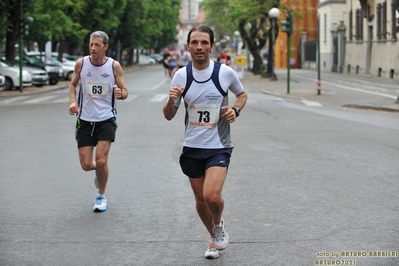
(237, 110)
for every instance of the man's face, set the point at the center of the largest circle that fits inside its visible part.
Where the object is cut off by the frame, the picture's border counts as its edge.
(200, 46)
(97, 47)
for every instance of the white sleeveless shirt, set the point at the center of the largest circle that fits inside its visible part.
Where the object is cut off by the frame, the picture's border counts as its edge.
(205, 128)
(96, 94)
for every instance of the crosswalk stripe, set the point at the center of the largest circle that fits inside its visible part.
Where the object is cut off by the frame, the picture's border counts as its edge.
(159, 98)
(131, 98)
(311, 103)
(65, 100)
(40, 99)
(11, 100)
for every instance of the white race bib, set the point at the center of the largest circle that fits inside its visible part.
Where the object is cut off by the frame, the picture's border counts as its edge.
(204, 115)
(97, 89)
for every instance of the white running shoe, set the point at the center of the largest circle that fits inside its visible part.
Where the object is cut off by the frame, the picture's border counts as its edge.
(211, 252)
(100, 205)
(221, 237)
(96, 179)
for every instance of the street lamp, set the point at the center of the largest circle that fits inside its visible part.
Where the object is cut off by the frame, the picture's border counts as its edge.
(236, 36)
(273, 14)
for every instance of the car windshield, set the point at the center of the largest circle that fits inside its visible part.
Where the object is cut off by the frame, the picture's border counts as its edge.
(34, 60)
(2, 64)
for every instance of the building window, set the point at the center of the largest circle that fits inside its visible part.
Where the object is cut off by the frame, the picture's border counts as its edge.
(393, 22)
(350, 25)
(384, 20)
(379, 21)
(359, 25)
(325, 28)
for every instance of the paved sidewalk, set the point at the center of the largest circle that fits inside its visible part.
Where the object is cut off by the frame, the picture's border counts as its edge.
(302, 92)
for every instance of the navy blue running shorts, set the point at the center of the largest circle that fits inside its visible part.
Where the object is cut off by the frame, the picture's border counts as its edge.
(89, 133)
(194, 162)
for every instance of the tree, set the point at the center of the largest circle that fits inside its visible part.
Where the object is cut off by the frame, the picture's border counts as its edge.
(250, 17)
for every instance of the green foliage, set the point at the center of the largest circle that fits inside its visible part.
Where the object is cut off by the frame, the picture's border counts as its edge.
(249, 17)
(135, 23)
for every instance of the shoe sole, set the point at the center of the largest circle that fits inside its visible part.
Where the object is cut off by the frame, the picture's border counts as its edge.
(99, 210)
(212, 257)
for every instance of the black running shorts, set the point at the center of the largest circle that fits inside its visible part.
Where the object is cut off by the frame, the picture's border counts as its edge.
(89, 133)
(194, 162)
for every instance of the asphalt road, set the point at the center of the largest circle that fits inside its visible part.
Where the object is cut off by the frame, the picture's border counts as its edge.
(308, 184)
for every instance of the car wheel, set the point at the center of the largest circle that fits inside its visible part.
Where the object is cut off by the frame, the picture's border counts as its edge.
(39, 85)
(53, 81)
(9, 85)
(69, 76)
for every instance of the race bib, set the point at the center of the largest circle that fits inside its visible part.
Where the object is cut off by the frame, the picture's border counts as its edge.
(204, 115)
(97, 89)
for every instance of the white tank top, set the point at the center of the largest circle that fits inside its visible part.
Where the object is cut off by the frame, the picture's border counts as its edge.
(96, 94)
(203, 99)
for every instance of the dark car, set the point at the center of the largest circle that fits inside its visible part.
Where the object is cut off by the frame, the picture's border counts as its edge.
(157, 57)
(54, 70)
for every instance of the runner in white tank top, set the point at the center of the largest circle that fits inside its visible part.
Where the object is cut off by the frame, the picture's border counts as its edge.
(203, 85)
(102, 82)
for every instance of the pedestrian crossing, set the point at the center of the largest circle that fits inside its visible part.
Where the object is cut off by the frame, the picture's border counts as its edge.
(60, 99)
(57, 98)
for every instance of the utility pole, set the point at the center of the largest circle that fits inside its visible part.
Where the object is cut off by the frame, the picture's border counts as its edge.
(288, 29)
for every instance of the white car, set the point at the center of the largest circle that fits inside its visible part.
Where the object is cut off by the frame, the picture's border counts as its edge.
(68, 67)
(2, 83)
(146, 60)
(11, 73)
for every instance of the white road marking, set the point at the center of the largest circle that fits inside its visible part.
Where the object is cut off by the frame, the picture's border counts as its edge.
(311, 103)
(159, 98)
(40, 99)
(160, 84)
(11, 100)
(360, 90)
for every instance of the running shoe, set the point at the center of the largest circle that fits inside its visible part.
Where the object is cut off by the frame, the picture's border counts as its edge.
(211, 252)
(96, 179)
(100, 205)
(221, 236)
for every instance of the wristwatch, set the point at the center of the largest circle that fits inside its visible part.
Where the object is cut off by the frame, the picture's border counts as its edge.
(237, 110)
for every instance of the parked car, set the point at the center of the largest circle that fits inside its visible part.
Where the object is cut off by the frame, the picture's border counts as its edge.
(157, 57)
(39, 76)
(2, 83)
(68, 67)
(11, 73)
(54, 69)
(146, 60)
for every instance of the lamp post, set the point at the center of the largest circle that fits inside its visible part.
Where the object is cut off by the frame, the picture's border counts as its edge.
(273, 14)
(236, 36)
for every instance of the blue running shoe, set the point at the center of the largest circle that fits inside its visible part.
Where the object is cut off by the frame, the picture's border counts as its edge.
(100, 205)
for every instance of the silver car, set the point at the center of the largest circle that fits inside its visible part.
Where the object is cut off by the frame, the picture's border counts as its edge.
(39, 76)
(2, 83)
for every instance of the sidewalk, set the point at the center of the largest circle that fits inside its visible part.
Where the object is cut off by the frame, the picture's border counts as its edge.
(300, 92)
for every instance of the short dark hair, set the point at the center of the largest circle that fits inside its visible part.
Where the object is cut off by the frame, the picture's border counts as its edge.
(202, 28)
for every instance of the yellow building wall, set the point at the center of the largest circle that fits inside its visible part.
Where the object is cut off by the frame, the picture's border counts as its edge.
(304, 14)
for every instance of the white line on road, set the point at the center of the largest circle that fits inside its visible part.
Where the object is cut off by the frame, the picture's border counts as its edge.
(360, 90)
(130, 98)
(40, 99)
(159, 85)
(311, 103)
(65, 100)
(11, 100)
(159, 97)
